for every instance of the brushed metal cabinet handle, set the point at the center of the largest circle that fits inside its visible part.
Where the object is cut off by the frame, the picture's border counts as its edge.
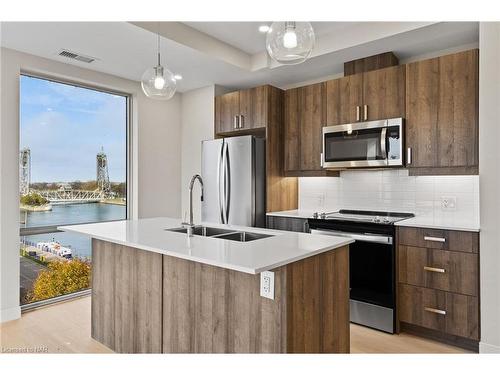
(434, 239)
(365, 112)
(235, 122)
(242, 122)
(408, 155)
(433, 269)
(358, 112)
(435, 311)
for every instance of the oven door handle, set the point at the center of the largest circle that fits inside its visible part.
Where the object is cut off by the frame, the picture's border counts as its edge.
(375, 238)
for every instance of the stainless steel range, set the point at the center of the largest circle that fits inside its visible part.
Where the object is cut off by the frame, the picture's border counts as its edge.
(371, 261)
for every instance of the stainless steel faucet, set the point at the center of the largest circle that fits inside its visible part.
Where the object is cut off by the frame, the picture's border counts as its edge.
(190, 225)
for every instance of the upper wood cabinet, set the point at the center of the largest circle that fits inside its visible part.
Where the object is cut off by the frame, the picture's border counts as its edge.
(442, 114)
(241, 110)
(304, 120)
(344, 98)
(375, 95)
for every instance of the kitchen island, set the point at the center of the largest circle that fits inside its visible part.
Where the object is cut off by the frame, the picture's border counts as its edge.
(156, 290)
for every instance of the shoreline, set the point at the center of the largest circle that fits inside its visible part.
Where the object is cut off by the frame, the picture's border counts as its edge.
(116, 202)
(45, 207)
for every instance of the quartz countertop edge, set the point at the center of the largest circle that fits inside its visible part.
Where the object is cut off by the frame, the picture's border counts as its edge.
(251, 257)
(443, 224)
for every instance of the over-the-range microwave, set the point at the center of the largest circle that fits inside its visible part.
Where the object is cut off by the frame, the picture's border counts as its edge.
(364, 144)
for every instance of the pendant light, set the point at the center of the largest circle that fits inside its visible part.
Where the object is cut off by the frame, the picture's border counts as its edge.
(158, 82)
(290, 42)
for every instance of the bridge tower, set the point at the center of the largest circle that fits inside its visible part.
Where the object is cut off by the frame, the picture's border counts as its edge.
(24, 171)
(103, 183)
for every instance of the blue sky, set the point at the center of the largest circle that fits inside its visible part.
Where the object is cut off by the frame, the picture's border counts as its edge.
(66, 126)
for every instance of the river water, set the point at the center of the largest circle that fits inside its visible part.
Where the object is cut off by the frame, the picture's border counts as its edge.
(71, 214)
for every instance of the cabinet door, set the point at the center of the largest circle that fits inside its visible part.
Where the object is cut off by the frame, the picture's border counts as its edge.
(383, 94)
(227, 106)
(442, 111)
(291, 155)
(343, 95)
(253, 108)
(312, 119)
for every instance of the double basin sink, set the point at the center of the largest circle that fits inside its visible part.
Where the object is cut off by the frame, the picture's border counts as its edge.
(224, 234)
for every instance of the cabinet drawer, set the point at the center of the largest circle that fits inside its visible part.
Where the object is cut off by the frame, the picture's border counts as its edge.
(439, 269)
(455, 314)
(439, 239)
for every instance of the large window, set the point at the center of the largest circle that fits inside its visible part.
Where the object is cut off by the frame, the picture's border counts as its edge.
(72, 169)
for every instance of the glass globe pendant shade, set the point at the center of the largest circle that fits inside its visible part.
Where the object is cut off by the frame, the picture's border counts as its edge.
(158, 83)
(290, 42)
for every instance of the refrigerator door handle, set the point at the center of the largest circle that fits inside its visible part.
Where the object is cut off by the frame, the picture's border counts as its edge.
(219, 184)
(227, 183)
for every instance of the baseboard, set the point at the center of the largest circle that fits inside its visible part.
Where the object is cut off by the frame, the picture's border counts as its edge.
(10, 314)
(488, 348)
(461, 342)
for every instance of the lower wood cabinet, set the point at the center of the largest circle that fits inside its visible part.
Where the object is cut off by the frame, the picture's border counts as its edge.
(438, 284)
(452, 313)
(293, 224)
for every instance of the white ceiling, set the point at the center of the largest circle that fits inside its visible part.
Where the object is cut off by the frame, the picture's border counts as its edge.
(126, 50)
(245, 35)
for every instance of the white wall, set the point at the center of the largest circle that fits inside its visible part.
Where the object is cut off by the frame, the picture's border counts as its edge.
(393, 190)
(156, 138)
(489, 169)
(197, 125)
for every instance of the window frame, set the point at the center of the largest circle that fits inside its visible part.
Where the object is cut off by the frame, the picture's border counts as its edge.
(28, 231)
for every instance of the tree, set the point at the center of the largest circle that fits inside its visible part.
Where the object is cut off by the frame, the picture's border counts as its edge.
(33, 199)
(61, 277)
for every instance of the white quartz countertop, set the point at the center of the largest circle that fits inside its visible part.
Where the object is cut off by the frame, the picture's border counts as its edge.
(250, 257)
(299, 214)
(462, 224)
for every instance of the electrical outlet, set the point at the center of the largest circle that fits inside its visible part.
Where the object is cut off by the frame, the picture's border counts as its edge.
(267, 284)
(448, 203)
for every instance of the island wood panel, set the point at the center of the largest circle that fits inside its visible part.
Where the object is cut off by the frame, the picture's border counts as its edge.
(384, 94)
(126, 298)
(208, 309)
(281, 191)
(343, 96)
(459, 270)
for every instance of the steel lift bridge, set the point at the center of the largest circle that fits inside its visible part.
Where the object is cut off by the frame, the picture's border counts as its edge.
(65, 194)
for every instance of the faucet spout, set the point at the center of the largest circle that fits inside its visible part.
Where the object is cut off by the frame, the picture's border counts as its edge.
(191, 185)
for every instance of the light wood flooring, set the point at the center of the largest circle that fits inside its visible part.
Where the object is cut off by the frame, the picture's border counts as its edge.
(65, 328)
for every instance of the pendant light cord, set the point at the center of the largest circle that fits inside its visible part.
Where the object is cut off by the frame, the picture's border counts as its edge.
(158, 34)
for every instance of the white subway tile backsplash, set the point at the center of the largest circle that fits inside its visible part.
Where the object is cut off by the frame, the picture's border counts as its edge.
(391, 190)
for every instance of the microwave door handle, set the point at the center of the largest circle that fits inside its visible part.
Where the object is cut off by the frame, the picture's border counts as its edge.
(383, 140)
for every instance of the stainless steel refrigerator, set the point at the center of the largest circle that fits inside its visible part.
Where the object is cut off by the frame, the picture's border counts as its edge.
(234, 174)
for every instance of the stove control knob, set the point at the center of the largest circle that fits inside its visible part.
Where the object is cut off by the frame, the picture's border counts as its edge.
(315, 215)
(376, 219)
(323, 215)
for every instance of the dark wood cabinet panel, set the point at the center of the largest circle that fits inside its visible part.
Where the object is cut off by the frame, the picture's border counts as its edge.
(253, 108)
(383, 94)
(438, 269)
(287, 223)
(227, 108)
(442, 112)
(292, 131)
(439, 239)
(454, 314)
(311, 110)
(344, 100)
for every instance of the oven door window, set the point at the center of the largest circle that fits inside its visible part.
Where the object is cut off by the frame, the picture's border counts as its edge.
(355, 145)
(371, 273)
